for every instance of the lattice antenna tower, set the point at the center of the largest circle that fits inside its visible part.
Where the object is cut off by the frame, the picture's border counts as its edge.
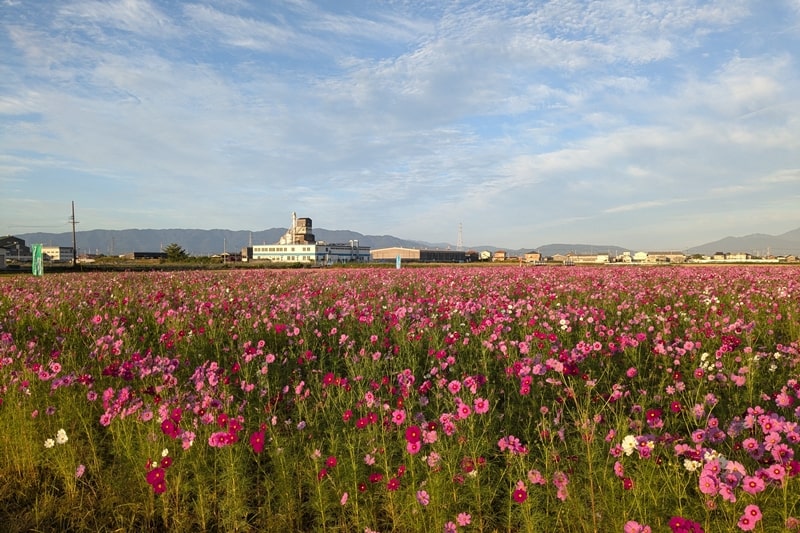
(460, 242)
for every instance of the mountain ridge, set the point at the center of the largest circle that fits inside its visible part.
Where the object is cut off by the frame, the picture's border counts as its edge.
(215, 241)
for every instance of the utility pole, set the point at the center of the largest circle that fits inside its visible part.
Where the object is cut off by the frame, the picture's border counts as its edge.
(74, 241)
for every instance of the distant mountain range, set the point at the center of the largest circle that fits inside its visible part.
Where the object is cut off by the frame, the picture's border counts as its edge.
(759, 244)
(215, 241)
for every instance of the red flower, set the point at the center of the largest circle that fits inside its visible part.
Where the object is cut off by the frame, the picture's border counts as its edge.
(169, 428)
(413, 434)
(520, 495)
(155, 476)
(653, 414)
(257, 441)
(160, 487)
(393, 484)
(330, 462)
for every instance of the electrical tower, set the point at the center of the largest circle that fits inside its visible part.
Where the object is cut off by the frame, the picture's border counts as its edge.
(460, 242)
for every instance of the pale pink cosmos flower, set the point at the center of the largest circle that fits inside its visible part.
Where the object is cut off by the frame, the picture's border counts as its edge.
(708, 485)
(631, 526)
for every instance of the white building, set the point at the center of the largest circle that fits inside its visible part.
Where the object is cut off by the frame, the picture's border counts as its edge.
(317, 253)
(299, 246)
(57, 253)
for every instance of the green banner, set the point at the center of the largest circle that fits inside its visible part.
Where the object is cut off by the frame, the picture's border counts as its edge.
(37, 264)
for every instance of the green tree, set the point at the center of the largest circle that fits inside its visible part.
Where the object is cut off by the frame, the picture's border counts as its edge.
(175, 253)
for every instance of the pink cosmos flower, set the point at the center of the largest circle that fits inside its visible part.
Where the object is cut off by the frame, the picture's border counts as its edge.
(631, 526)
(536, 478)
(776, 472)
(398, 416)
(481, 405)
(413, 448)
(464, 519)
(423, 498)
(753, 484)
(708, 485)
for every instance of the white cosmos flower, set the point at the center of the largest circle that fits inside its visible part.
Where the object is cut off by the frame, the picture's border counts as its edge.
(629, 444)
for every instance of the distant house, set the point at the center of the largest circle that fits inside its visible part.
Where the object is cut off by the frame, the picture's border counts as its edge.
(533, 257)
(737, 256)
(588, 258)
(666, 257)
(499, 255)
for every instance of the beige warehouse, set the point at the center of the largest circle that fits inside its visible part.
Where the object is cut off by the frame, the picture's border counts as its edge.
(422, 255)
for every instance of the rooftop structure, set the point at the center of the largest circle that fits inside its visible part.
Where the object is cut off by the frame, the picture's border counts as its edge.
(298, 245)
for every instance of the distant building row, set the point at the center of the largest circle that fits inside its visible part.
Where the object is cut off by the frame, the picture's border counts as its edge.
(14, 249)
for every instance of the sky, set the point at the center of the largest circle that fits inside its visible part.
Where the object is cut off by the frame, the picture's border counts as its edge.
(646, 124)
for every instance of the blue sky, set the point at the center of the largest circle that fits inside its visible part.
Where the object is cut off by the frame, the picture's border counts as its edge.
(643, 124)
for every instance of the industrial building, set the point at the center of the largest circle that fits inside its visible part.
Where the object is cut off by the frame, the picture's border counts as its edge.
(423, 255)
(15, 248)
(298, 245)
(58, 253)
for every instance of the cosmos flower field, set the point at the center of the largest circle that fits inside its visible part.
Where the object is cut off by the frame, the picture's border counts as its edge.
(662, 399)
